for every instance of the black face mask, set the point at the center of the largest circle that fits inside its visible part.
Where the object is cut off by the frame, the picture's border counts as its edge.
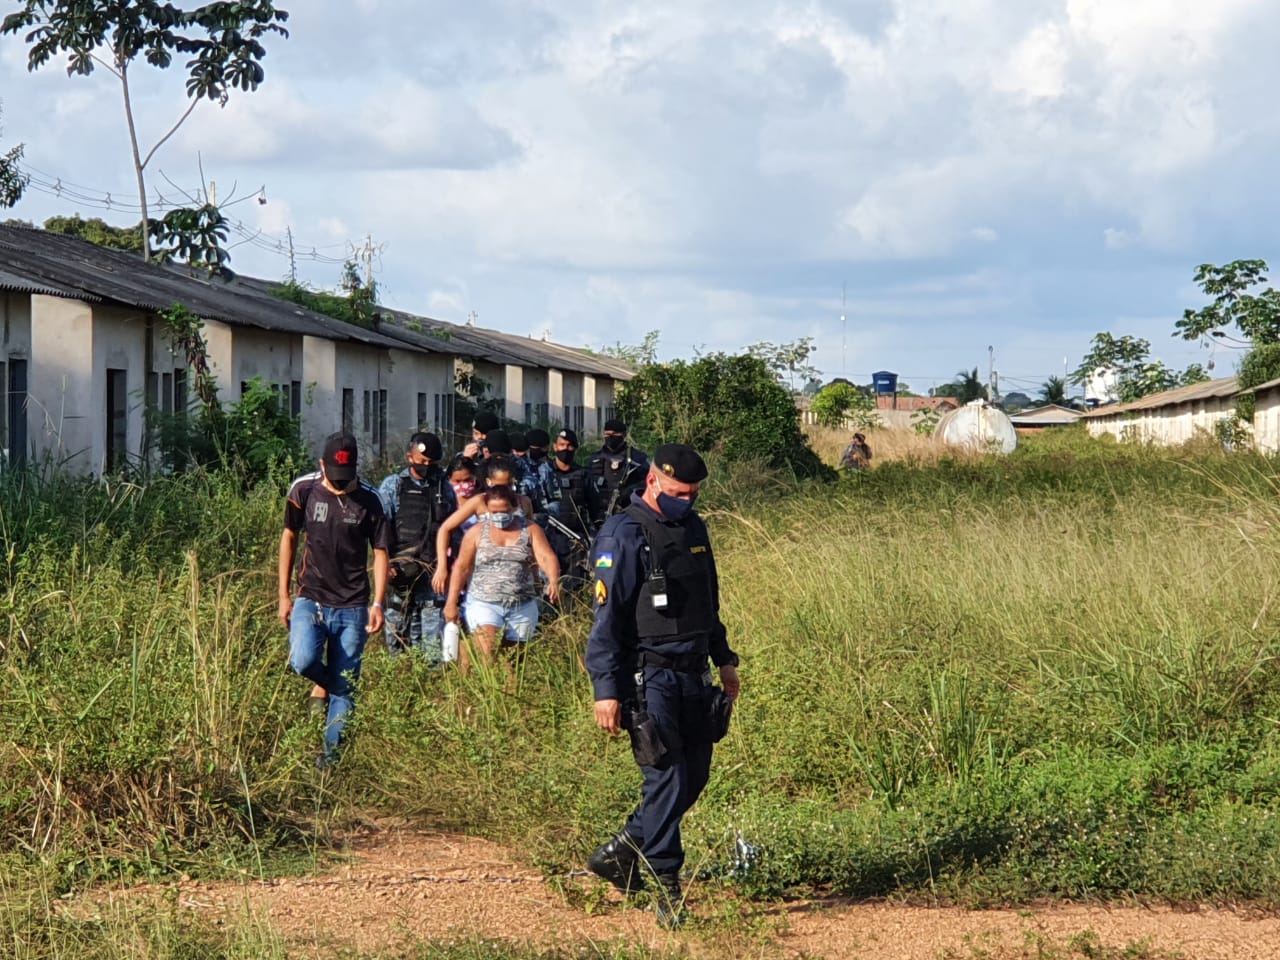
(420, 470)
(537, 454)
(565, 457)
(615, 444)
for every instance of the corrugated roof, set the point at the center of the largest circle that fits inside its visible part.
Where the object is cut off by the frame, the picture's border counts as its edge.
(37, 261)
(1049, 413)
(70, 267)
(18, 283)
(1206, 390)
(1269, 385)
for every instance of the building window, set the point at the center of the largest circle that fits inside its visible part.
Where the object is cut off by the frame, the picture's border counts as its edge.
(348, 411)
(528, 413)
(153, 391)
(13, 413)
(117, 418)
(180, 391)
(166, 393)
(380, 424)
(295, 398)
(422, 411)
(367, 415)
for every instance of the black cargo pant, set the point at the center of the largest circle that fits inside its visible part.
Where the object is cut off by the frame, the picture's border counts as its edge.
(677, 701)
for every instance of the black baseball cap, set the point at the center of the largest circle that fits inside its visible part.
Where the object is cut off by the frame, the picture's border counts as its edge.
(538, 438)
(484, 422)
(680, 462)
(615, 426)
(340, 458)
(427, 444)
(518, 441)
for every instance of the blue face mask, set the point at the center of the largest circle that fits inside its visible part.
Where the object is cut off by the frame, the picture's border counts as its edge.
(673, 508)
(501, 520)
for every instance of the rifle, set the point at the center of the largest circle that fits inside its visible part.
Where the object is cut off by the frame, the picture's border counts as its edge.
(568, 531)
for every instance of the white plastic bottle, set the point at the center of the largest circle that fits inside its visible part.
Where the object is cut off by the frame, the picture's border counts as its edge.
(449, 642)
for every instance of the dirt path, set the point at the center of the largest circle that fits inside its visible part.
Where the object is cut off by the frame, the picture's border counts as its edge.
(401, 886)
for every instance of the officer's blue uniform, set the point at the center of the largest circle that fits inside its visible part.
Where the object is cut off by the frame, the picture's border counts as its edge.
(676, 693)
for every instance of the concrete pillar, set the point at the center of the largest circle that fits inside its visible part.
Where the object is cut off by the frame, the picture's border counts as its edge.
(514, 392)
(66, 419)
(323, 415)
(555, 396)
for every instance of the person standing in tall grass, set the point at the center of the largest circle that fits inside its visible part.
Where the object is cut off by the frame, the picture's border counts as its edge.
(657, 622)
(334, 612)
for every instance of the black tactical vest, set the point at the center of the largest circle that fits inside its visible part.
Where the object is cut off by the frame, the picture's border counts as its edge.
(423, 507)
(571, 491)
(680, 554)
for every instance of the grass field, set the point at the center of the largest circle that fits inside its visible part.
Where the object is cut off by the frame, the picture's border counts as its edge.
(971, 679)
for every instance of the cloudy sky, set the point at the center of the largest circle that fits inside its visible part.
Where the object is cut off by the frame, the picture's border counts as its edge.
(1018, 174)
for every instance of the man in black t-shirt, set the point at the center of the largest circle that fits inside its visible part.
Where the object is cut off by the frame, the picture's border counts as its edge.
(333, 615)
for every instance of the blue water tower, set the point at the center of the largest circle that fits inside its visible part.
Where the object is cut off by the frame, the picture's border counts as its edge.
(884, 382)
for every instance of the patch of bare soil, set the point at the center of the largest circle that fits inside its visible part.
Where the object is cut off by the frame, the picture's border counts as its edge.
(399, 886)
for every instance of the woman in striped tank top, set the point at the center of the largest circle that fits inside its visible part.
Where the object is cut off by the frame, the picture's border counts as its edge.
(498, 566)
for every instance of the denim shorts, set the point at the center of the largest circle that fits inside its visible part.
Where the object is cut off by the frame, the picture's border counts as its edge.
(516, 620)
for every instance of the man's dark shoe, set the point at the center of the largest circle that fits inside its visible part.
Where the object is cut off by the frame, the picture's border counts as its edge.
(669, 901)
(318, 707)
(618, 861)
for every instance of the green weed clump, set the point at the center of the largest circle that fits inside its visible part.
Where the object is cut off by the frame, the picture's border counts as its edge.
(977, 679)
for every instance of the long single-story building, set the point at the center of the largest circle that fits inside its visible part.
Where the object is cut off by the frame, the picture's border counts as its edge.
(1169, 417)
(84, 352)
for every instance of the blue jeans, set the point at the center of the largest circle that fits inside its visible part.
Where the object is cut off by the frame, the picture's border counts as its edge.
(422, 632)
(325, 646)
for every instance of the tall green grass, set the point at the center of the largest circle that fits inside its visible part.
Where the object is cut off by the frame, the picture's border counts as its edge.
(987, 680)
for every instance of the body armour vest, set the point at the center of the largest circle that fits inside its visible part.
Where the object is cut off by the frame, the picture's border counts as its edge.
(571, 491)
(422, 509)
(680, 554)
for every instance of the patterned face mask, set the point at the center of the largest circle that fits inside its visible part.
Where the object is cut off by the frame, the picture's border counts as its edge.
(500, 520)
(465, 489)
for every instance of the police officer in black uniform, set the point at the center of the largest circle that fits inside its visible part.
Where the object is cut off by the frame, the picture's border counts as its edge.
(573, 503)
(617, 468)
(417, 500)
(657, 623)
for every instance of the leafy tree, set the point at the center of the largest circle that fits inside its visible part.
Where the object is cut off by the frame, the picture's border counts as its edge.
(194, 235)
(787, 360)
(221, 39)
(732, 405)
(13, 182)
(359, 306)
(637, 355)
(1129, 359)
(97, 230)
(1255, 315)
(1260, 365)
(839, 402)
(1054, 390)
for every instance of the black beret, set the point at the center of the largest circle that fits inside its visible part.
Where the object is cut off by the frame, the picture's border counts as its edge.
(427, 444)
(615, 426)
(680, 462)
(538, 438)
(497, 441)
(518, 441)
(484, 422)
(567, 434)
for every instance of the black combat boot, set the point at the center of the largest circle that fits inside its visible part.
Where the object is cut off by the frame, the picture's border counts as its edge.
(669, 901)
(618, 861)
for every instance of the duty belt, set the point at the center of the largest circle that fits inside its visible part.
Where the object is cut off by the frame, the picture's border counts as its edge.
(681, 663)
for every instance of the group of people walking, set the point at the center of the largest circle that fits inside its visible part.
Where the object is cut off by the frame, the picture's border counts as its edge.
(482, 539)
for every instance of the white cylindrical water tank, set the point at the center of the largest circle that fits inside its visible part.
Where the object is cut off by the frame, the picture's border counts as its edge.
(978, 426)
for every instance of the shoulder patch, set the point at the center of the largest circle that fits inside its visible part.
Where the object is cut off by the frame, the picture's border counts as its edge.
(698, 549)
(602, 593)
(604, 561)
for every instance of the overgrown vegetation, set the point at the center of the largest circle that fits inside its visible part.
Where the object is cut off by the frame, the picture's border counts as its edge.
(1053, 674)
(732, 405)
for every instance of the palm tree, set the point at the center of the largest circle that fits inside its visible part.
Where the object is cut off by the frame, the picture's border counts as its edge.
(969, 386)
(1054, 390)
